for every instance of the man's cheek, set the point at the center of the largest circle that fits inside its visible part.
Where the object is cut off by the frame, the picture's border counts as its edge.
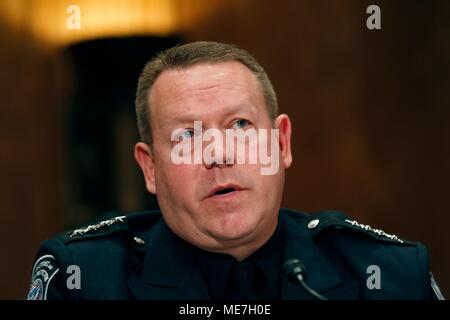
(181, 177)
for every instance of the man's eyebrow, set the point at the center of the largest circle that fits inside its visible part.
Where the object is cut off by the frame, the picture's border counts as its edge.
(189, 118)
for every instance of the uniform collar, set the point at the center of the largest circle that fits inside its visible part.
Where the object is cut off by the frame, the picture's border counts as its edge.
(169, 270)
(320, 274)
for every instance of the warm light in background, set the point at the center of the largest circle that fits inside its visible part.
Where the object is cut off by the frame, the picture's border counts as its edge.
(46, 19)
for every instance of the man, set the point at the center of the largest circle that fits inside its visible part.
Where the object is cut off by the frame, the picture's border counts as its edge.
(220, 233)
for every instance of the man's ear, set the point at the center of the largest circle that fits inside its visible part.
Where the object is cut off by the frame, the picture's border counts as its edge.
(283, 124)
(144, 157)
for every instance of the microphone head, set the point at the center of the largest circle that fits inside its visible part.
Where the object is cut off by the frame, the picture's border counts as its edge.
(293, 267)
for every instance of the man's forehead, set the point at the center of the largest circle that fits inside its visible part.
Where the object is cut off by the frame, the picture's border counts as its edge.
(203, 75)
(229, 82)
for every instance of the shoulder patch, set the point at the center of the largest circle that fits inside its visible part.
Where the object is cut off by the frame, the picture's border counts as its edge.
(44, 270)
(95, 227)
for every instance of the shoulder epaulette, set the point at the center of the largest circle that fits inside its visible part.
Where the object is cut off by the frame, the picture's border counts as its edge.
(95, 227)
(113, 222)
(326, 219)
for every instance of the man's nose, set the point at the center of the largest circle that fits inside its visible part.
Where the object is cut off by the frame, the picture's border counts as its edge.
(215, 154)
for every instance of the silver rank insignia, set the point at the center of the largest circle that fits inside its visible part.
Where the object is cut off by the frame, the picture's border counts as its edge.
(139, 240)
(376, 231)
(97, 226)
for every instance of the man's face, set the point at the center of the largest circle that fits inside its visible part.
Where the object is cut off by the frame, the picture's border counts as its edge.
(223, 96)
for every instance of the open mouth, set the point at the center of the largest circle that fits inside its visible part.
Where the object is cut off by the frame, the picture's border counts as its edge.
(224, 191)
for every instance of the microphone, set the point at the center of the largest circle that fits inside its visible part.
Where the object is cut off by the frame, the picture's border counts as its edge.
(295, 272)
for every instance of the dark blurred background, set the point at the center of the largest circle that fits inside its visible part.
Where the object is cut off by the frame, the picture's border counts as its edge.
(370, 110)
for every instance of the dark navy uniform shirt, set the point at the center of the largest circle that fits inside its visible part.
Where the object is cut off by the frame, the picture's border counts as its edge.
(138, 257)
(216, 267)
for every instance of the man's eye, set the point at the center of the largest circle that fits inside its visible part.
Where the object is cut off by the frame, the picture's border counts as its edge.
(241, 123)
(187, 134)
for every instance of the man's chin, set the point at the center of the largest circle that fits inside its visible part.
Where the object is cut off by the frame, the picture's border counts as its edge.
(232, 233)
